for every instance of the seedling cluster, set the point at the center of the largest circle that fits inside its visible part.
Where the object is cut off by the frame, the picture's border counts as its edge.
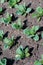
(22, 9)
(38, 14)
(22, 53)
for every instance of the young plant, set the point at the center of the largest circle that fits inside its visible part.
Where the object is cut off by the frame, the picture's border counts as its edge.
(3, 61)
(22, 9)
(12, 3)
(39, 62)
(21, 53)
(31, 32)
(17, 25)
(7, 19)
(8, 42)
(1, 34)
(1, 9)
(38, 14)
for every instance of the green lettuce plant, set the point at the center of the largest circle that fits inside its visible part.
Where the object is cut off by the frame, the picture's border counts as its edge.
(22, 9)
(3, 61)
(21, 53)
(8, 42)
(6, 19)
(1, 34)
(1, 9)
(17, 25)
(38, 14)
(31, 32)
(12, 3)
(40, 61)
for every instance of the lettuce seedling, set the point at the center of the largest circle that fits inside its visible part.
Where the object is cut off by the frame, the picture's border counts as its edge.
(38, 14)
(8, 42)
(39, 62)
(17, 25)
(3, 61)
(12, 3)
(31, 32)
(1, 34)
(7, 19)
(22, 9)
(21, 53)
(1, 9)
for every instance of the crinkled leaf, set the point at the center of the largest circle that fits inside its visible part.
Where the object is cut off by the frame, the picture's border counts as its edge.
(28, 10)
(3, 61)
(36, 37)
(1, 9)
(37, 63)
(39, 10)
(1, 20)
(17, 25)
(8, 43)
(1, 34)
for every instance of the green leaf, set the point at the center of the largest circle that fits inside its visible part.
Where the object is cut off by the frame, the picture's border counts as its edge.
(19, 50)
(36, 37)
(1, 20)
(28, 10)
(17, 25)
(7, 19)
(17, 57)
(37, 63)
(18, 0)
(13, 2)
(3, 61)
(34, 15)
(26, 50)
(1, 9)
(18, 12)
(8, 43)
(1, 34)
(39, 10)
(2, 1)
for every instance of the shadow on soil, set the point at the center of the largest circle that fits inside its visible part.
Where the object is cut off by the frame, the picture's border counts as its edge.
(10, 61)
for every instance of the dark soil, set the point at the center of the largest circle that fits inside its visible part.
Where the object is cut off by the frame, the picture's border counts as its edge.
(36, 48)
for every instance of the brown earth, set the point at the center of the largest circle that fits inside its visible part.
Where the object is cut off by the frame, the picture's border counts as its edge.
(36, 47)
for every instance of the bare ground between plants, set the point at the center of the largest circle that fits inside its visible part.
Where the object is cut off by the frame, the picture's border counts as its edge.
(36, 47)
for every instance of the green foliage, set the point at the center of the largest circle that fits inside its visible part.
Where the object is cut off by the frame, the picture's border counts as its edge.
(22, 9)
(40, 61)
(8, 42)
(12, 3)
(2, 1)
(1, 9)
(38, 14)
(21, 53)
(1, 34)
(37, 63)
(6, 19)
(31, 32)
(3, 61)
(17, 25)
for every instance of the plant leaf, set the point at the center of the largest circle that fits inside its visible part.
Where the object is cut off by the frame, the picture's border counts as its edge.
(36, 37)
(37, 63)
(28, 10)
